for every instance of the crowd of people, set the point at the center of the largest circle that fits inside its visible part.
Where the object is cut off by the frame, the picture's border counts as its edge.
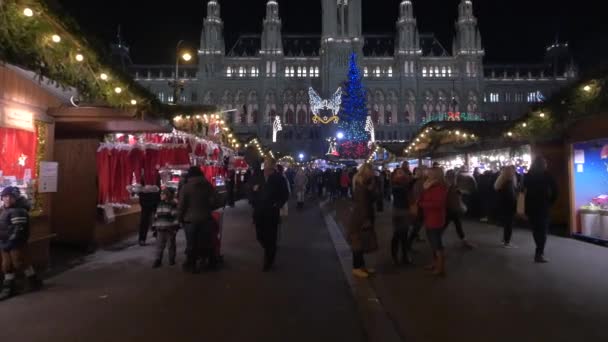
(431, 198)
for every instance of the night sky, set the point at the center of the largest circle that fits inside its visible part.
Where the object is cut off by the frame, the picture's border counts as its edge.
(514, 31)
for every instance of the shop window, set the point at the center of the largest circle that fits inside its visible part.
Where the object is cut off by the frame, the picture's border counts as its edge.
(18, 159)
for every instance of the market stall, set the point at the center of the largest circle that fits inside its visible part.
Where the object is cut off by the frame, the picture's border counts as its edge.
(26, 148)
(588, 167)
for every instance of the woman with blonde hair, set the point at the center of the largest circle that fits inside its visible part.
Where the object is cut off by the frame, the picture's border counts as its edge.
(433, 202)
(361, 233)
(506, 191)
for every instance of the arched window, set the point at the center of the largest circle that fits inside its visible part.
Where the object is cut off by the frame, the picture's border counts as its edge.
(274, 69)
(299, 71)
(449, 71)
(436, 71)
(311, 72)
(241, 71)
(316, 71)
(286, 71)
(424, 72)
(365, 72)
(254, 72)
(390, 71)
(444, 72)
(228, 72)
(377, 71)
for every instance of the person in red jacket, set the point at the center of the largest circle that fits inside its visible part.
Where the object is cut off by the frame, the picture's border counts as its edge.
(433, 202)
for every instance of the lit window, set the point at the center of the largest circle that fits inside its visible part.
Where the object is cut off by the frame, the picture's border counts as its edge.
(444, 72)
(301, 73)
(390, 71)
(377, 71)
(228, 72)
(286, 71)
(268, 68)
(241, 71)
(424, 72)
(274, 69)
(535, 96)
(311, 72)
(182, 98)
(254, 72)
(519, 97)
(494, 97)
(170, 98)
(365, 72)
(161, 97)
(436, 71)
(449, 71)
(316, 71)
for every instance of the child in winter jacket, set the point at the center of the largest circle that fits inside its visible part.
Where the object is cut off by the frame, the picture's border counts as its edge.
(14, 236)
(166, 225)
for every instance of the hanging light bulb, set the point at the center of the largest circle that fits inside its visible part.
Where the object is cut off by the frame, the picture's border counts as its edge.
(28, 12)
(103, 76)
(134, 102)
(542, 115)
(118, 90)
(56, 38)
(79, 57)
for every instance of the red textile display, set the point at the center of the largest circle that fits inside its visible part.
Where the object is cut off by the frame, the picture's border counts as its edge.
(17, 146)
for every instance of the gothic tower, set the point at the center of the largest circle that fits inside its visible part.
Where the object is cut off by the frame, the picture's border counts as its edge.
(342, 35)
(467, 44)
(272, 42)
(212, 48)
(408, 40)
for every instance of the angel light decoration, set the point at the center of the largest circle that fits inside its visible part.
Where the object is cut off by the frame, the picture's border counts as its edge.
(317, 105)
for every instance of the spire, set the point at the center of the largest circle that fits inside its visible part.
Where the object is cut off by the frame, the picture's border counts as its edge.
(408, 39)
(272, 41)
(468, 37)
(212, 37)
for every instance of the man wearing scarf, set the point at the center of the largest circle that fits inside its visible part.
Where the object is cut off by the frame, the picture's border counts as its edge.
(270, 193)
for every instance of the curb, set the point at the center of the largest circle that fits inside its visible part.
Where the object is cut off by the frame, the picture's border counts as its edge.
(377, 324)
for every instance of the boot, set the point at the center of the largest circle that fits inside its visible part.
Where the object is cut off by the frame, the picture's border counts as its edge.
(8, 289)
(34, 283)
(440, 270)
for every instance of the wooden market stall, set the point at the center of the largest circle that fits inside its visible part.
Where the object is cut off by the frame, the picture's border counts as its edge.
(27, 142)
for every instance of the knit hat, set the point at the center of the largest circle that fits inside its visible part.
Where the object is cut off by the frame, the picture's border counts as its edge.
(11, 191)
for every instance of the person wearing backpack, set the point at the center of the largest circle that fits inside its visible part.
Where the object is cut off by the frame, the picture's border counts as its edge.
(456, 208)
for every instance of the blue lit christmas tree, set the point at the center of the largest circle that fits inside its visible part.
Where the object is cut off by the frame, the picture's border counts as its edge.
(354, 105)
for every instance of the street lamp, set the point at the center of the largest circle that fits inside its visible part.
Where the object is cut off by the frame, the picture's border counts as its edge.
(340, 135)
(301, 156)
(186, 56)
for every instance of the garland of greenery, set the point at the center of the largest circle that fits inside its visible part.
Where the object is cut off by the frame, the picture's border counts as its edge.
(35, 36)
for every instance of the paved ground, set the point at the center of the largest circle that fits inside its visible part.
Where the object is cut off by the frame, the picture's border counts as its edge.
(116, 295)
(494, 294)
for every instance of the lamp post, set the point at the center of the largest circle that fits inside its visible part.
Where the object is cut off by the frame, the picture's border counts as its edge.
(186, 56)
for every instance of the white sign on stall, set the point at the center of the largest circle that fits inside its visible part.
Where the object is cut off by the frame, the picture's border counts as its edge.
(16, 118)
(49, 174)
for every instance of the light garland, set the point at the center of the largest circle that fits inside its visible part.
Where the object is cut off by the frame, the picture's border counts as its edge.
(41, 141)
(317, 104)
(369, 127)
(39, 38)
(276, 127)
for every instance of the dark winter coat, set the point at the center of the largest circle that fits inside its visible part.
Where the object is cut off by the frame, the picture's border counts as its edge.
(270, 196)
(363, 217)
(541, 193)
(506, 198)
(15, 225)
(196, 201)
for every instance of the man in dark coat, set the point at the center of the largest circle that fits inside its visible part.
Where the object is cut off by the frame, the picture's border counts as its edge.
(270, 193)
(196, 201)
(541, 193)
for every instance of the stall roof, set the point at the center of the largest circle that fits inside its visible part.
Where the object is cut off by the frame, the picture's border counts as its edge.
(487, 135)
(103, 120)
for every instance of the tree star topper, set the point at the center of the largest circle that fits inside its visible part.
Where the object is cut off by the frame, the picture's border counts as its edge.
(276, 127)
(317, 104)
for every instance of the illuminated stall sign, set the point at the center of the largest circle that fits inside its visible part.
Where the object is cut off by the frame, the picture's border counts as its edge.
(452, 116)
(17, 119)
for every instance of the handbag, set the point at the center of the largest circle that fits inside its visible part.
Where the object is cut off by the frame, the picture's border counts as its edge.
(284, 211)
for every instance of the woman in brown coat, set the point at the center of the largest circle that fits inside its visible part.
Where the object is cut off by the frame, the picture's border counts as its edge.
(361, 233)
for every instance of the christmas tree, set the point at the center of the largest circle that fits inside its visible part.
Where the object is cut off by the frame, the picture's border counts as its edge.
(354, 106)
